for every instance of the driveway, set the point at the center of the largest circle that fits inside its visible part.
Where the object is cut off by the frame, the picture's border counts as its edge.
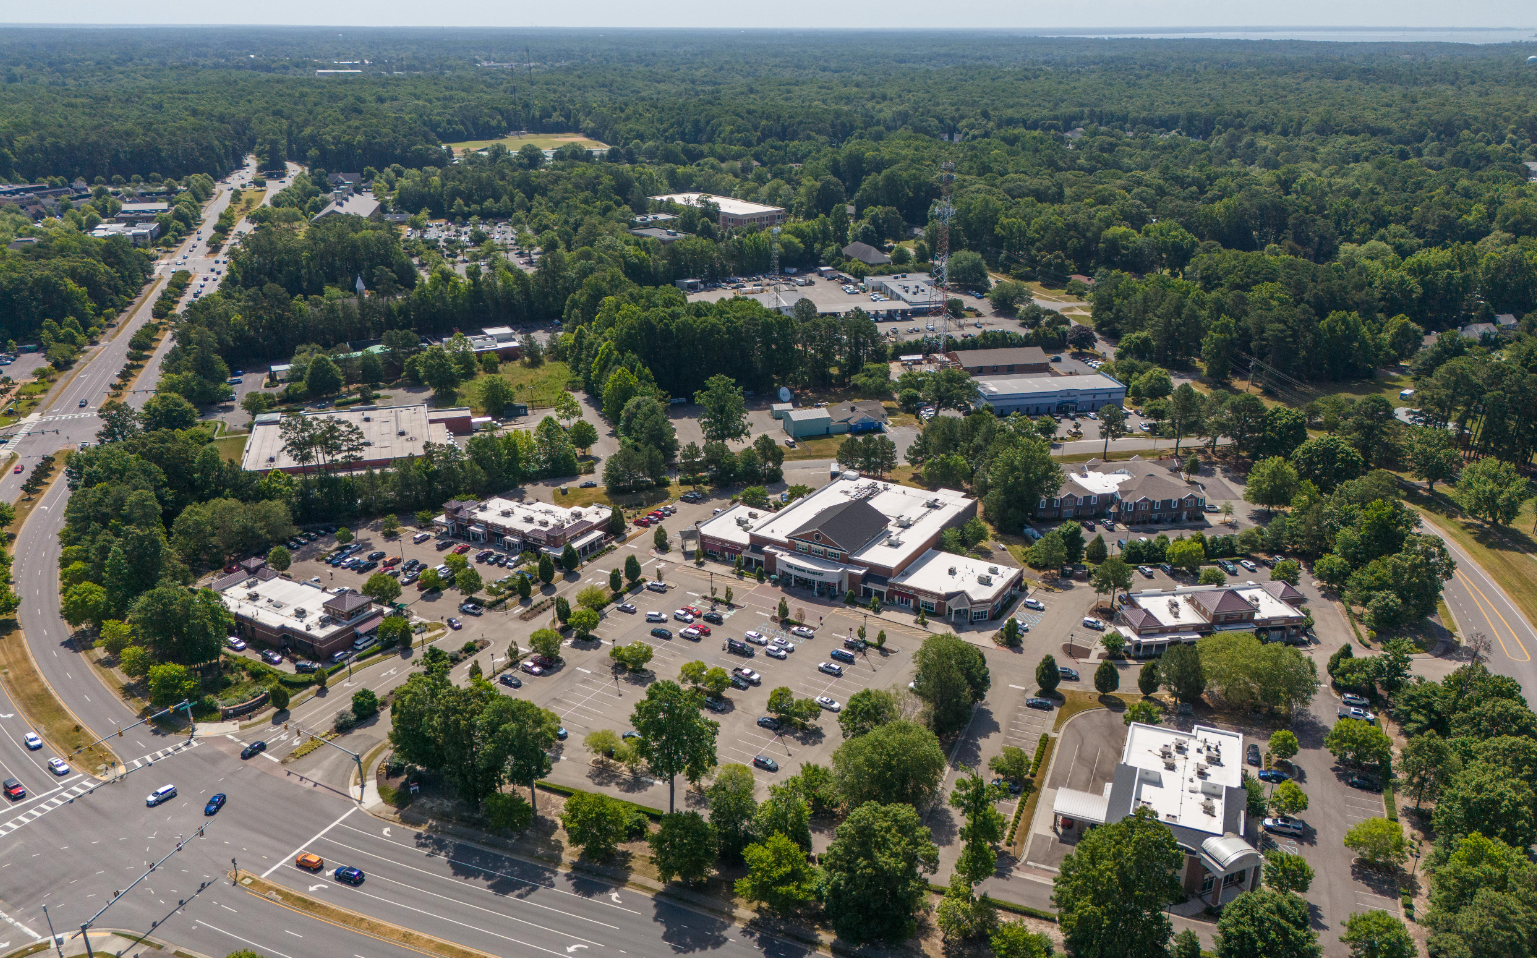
(1086, 755)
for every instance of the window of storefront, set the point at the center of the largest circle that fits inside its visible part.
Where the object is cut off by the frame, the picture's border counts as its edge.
(978, 614)
(1208, 883)
(802, 547)
(926, 605)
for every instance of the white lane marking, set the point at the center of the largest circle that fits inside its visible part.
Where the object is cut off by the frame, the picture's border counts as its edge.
(293, 854)
(19, 926)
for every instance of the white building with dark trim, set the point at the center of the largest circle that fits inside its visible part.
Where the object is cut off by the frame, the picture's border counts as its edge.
(514, 525)
(872, 537)
(301, 617)
(1154, 619)
(1193, 783)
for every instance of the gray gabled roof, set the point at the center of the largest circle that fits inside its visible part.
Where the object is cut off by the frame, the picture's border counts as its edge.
(849, 525)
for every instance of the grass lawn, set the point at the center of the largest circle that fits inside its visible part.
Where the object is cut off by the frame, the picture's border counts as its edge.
(232, 448)
(627, 501)
(545, 141)
(538, 386)
(822, 447)
(1507, 554)
(1074, 702)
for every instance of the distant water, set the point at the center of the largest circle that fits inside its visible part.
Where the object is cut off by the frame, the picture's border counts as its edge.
(1332, 34)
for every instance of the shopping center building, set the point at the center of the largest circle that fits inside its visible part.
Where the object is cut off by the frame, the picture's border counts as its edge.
(517, 524)
(871, 537)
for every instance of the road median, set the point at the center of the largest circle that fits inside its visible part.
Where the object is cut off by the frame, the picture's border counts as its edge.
(354, 921)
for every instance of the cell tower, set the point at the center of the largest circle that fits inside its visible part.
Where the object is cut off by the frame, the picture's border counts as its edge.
(774, 267)
(940, 278)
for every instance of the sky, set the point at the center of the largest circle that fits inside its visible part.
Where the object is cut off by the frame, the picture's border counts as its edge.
(1031, 15)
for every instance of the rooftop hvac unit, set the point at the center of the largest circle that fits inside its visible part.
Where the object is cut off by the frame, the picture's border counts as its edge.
(1164, 751)
(368, 442)
(506, 512)
(894, 541)
(1200, 769)
(1174, 606)
(301, 613)
(306, 627)
(952, 570)
(984, 580)
(992, 570)
(1209, 807)
(1252, 600)
(253, 596)
(272, 458)
(1168, 763)
(904, 522)
(752, 515)
(1181, 746)
(368, 419)
(933, 503)
(400, 432)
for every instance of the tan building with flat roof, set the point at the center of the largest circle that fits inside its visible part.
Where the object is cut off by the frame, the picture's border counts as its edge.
(389, 433)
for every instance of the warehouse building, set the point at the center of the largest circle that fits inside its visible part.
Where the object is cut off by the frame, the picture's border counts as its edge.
(1001, 362)
(732, 212)
(873, 538)
(390, 433)
(835, 419)
(1036, 395)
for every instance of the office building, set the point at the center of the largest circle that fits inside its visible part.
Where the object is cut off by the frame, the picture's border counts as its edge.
(1045, 394)
(514, 525)
(732, 212)
(1152, 620)
(299, 616)
(389, 433)
(1135, 492)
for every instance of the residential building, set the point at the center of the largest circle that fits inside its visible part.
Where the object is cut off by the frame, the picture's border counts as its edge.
(518, 524)
(1193, 783)
(390, 433)
(732, 212)
(833, 420)
(1135, 492)
(1039, 394)
(1001, 362)
(871, 537)
(1151, 620)
(299, 616)
(866, 254)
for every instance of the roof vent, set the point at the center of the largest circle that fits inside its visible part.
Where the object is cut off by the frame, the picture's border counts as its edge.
(952, 570)
(400, 432)
(368, 419)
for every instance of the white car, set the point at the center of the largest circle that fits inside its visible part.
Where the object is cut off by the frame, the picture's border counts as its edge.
(682, 616)
(782, 643)
(829, 703)
(1248, 565)
(33, 742)
(655, 616)
(1092, 623)
(236, 643)
(58, 766)
(1284, 824)
(830, 668)
(1035, 604)
(756, 638)
(775, 652)
(804, 632)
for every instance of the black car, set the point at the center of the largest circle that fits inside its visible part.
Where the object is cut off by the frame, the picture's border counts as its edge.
(737, 682)
(714, 617)
(253, 750)
(716, 705)
(1039, 703)
(376, 556)
(510, 680)
(769, 722)
(1363, 782)
(1252, 753)
(857, 645)
(765, 763)
(305, 666)
(350, 875)
(662, 633)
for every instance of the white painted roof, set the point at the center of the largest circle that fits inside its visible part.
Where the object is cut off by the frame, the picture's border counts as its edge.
(944, 573)
(1184, 787)
(725, 204)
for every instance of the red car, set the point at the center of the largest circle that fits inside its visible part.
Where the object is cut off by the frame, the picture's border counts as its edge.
(462, 549)
(642, 521)
(693, 611)
(17, 469)
(703, 629)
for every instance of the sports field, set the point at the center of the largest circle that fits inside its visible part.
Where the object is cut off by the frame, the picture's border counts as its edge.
(515, 142)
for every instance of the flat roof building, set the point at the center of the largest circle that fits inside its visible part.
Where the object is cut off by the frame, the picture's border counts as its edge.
(733, 212)
(389, 433)
(662, 235)
(1192, 782)
(871, 537)
(914, 291)
(300, 616)
(1153, 619)
(996, 362)
(834, 419)
(1038, 394)
(139, 234)
(518, 524)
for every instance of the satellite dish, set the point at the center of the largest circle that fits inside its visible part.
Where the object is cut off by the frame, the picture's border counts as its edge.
(1532, 61)
(784, 393)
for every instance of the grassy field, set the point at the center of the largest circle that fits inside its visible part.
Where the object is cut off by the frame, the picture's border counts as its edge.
(231, 448)
(545, 141)
(822, 447)
(627, 501)
(538, 386)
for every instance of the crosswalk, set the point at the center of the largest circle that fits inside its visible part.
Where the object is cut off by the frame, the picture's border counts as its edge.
(16, 437)
(73, 415)
(43, 808)
(164, 753)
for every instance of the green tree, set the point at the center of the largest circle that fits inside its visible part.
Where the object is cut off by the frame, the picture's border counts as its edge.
(279, 559)
(1355, 742)
(1148, 678)
(684, 847)
(1266, 923)
(495, 394)
(659, 539)
(1096, 551)
(615, 581)
(1112, 889)
(723, 415)
(569, 560)
(867, 710)
(594, 597)
(983, 827)
(545, 642)
(1492, 490)
(546, 569)
(633, 657)
(899, 761)
(506, 813)
(1047, 674)
(1271, 484)
(1112, 425)
(1107, 678)
(1486, 798)
(1377, 934)
(632, 572)
(1425, 765)
(365, 704)
(85, 603)
(1378, 841)
(382, 588)
(1286, 872)
(323, 378)
(467, 581)
(178, 625)
(1288, 799)
(430, 581)
(1283, 744)
(732, 808)
(278, 696)
(1014, 940)
(1186, 554)
(170, 684)
(1211, 575)
(583, 621)
(1180, 671)
(785, 812)
(875, 867)
(950, 676)
(1146, 712)
(597, 824)
(779, 877)
(675, 738)
(1432, 456)
(343, 536)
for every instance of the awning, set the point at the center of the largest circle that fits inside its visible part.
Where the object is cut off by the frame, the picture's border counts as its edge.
(369, 624)
(583, 541)
(1083, 806)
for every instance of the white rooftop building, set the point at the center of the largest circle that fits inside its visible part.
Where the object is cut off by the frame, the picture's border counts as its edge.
(518, 524)
(733, 212)
(302, 616)
(1193, 783)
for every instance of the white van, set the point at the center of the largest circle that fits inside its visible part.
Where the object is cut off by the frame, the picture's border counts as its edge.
(364, 642)
(160, 795)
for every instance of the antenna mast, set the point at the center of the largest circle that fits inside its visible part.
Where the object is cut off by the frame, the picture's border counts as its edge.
(939, 281)
(774, 267)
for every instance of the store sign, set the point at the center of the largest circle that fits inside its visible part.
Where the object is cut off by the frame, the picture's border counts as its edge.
(806, 572)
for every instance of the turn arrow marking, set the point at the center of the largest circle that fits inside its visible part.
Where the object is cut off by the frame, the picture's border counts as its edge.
(615, 896)
(317, 887)
(573, 949)
(386, 833)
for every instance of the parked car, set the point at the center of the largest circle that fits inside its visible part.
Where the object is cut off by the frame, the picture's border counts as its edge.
(655, 616)
(662, 633)
(1036, 604)
(804, 632)
(829, 703)
(769, 722)
(1067, 674)
(830, 668)
(656, 586)
(682, 616)
(715, 617)
(842, 655)
(1145, 571)
(1285, 824)
(691, 633)
(748, 674)
(1352, 699)
(1359, 714)
(236, 643)
(756, 638)
(767, 764)
(271, 658)
(775, 652)
(531, 668)
(1273, 776)
(1092, 623)
(1035, 702)
(1252, 755)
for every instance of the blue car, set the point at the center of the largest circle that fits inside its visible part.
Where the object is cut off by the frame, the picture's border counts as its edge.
(350, 875)
(214, 804)
(1273, 776)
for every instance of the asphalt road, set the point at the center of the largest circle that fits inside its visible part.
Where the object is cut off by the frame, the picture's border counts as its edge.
(1479, 604)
